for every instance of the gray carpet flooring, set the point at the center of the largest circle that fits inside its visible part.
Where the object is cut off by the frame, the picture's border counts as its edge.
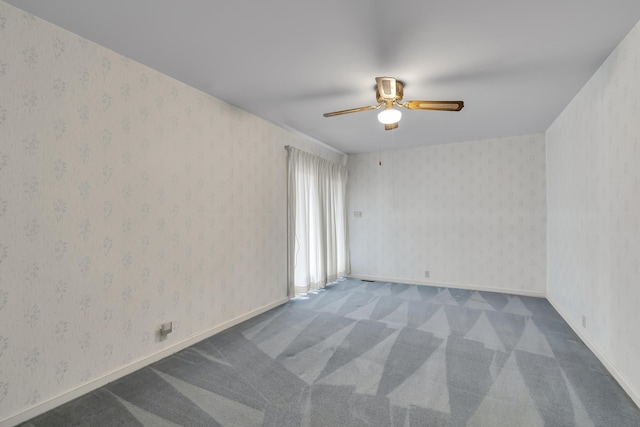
(372, 354)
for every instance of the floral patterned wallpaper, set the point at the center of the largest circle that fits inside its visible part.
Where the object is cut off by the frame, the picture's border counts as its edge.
(127, 199)
(594, 212)
(471, 213)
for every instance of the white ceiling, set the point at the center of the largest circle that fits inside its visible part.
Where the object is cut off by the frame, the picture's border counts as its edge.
(515, 63)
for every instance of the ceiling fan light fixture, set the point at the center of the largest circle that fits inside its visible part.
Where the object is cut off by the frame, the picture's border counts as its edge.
(389, 116)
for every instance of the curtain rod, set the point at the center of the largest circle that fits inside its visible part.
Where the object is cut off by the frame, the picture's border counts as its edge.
(288, 147)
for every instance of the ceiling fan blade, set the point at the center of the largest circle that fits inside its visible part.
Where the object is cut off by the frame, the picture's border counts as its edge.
(434, 105)
(353, 110)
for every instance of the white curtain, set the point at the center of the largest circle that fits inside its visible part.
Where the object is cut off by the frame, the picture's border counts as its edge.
(318, 242)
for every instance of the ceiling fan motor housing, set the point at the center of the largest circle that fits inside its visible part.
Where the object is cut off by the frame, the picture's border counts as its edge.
(389, 89)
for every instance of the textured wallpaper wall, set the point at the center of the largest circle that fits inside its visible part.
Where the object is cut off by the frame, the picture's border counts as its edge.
(127, 199)
(593, 153)
(471, 213)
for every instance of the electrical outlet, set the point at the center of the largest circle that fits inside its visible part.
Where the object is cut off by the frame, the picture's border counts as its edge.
(426, 274)
(166, 329)
(584, 321)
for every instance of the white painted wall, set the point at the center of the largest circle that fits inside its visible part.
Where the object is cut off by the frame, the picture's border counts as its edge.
(593, 158)
(127, 199)
(472, 213)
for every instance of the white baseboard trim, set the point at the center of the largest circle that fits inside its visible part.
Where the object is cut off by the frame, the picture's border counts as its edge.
(633, 394)
(63, 398)
(468, 286)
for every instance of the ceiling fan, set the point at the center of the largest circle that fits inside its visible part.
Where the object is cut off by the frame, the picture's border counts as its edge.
(389, 92)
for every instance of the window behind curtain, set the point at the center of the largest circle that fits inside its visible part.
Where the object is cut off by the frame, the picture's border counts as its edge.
(318, 242)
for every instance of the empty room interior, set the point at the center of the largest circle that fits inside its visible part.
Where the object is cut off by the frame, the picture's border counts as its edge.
(319, 213)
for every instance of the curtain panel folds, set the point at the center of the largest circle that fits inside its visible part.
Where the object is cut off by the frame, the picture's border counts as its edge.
(318, 249)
